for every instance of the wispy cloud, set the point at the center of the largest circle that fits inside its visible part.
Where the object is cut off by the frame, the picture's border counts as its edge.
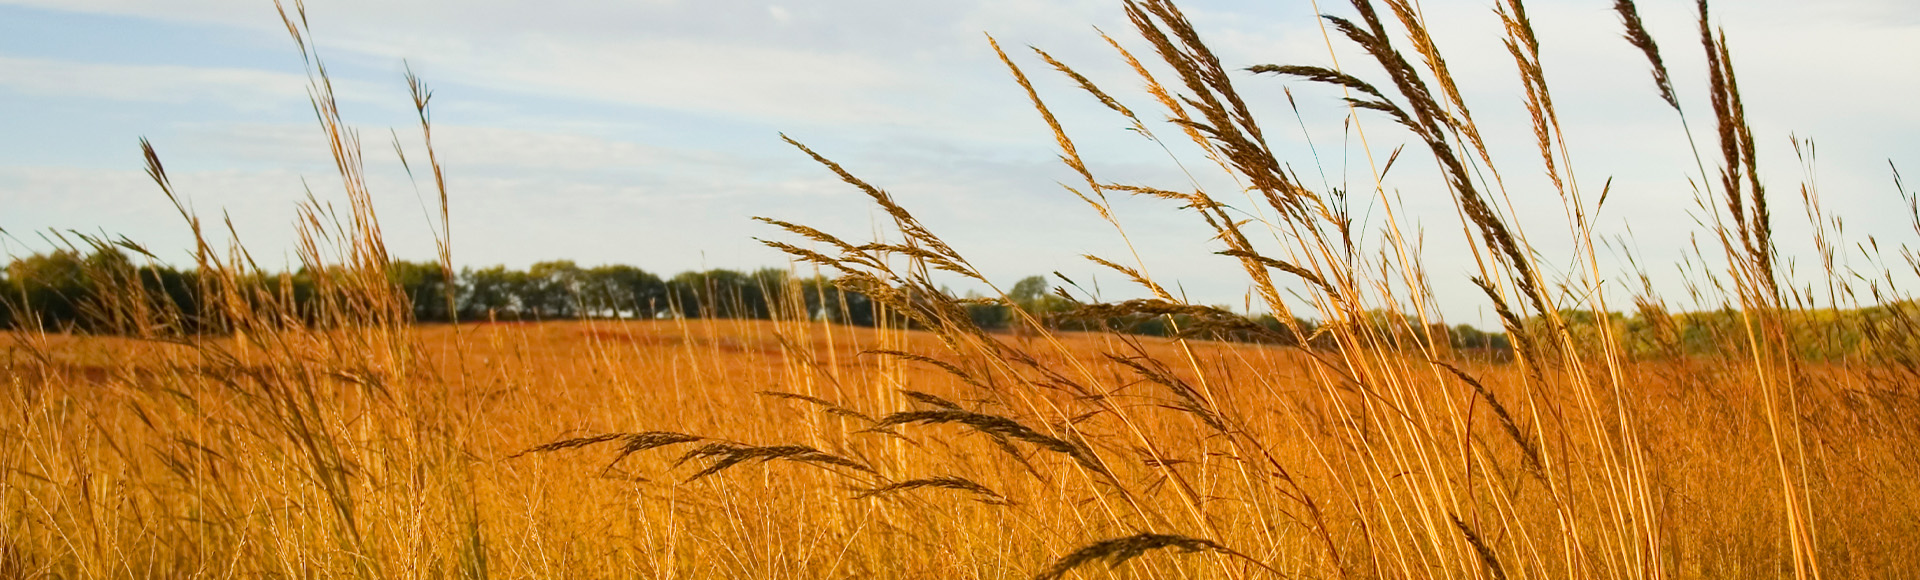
(239, 88)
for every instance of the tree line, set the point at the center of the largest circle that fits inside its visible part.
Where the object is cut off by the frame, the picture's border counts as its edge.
(67, 290)
(72, 291)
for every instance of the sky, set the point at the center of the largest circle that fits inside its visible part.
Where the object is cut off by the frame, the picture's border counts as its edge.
(647, 132)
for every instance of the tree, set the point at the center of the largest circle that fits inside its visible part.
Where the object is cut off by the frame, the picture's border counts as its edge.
(1028, 291)
(859, 309)
(714, 294)
(826, 301)
(762, 292)
(6, 300)
(685, 294)
(424, 284)
(489, 292)
(551, 289)
(617, 288)
(1031, 294)
(987, 316)
(177, 291)
(102, 292)
(47, 289)
(1466, 337)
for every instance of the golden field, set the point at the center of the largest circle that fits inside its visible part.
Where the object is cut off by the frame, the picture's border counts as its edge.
(241, 423)
(139, 459)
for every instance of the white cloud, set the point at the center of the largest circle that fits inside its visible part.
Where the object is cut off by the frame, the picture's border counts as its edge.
(240, 88)
(126, 202)
(862, 62)
(484, 149)
(760, 82)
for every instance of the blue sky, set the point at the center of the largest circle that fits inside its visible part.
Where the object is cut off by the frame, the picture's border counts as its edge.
(647, 132)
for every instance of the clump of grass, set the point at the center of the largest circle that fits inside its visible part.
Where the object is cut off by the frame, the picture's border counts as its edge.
(630, 443)
(1532, 453)
(827, 406)
(1118, 551)
(998, 426)
(952, 482)
(1487, 557)
(721, 455)
(932, 400)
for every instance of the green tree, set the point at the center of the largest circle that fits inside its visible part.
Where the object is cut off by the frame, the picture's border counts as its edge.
(424, 284)
(621, 290)
(1028, 291)
(826, 301)
(1032, 295)
(987, 316)
(686, 294)
(709, 294)
(551, 289)
(6, 301)
(1466, 337)
(177, 291)
(762, 292)
(47, 289)
(489, 292)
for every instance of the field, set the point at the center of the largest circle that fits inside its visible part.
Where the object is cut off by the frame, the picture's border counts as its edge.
(135, 459)
(229, 421)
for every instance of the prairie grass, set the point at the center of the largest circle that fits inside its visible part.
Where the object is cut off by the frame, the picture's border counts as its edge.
(347, 442)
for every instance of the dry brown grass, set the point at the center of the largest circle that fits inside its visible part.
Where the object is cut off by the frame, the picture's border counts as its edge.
(125, 460)
(349, 443)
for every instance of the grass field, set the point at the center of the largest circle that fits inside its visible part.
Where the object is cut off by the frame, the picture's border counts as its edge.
(265, 434)
(134, 459)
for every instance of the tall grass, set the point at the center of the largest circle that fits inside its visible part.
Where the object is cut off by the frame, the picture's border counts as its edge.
(343, 441)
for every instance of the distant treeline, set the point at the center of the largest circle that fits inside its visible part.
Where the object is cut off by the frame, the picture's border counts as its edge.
(67, 290)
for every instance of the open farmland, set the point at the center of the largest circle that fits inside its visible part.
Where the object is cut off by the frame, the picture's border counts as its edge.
(132, 458)
(361, 416)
